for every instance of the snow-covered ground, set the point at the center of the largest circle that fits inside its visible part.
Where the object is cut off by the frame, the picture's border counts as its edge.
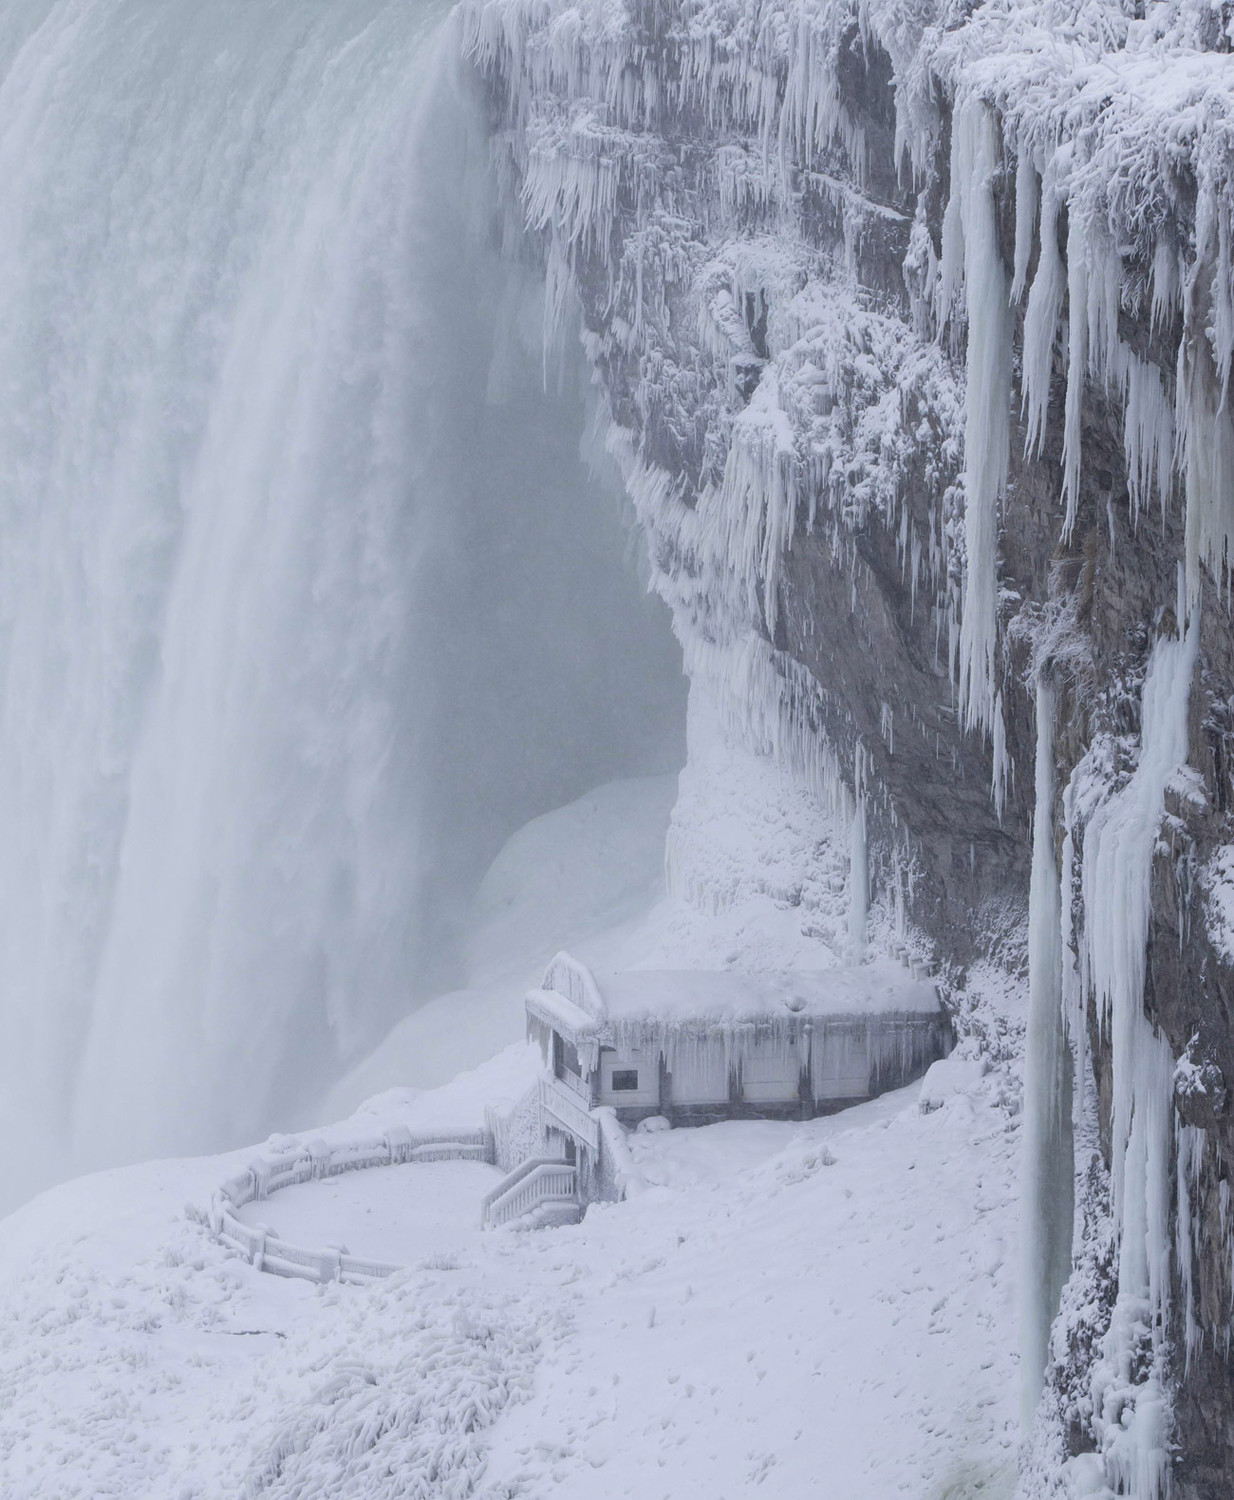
(788, 1309)
(395, 1214)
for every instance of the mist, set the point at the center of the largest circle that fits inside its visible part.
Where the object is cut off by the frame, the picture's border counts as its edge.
(307, 598)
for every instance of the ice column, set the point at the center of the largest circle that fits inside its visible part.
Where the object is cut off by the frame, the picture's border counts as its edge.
(1129, 1397)
(971, 229)
(1047, 1175)
(859, 862)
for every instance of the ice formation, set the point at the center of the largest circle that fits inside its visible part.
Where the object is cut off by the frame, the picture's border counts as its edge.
(971, 253)
(1120, 841)
(701, 188)
(765, 399)
(1047, 1170)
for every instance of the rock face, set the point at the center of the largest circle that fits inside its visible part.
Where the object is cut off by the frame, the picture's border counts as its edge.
(913, 326)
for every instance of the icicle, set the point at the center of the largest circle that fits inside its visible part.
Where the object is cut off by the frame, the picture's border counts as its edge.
(1077, 366)
(1048, 1203)
(1001, 764)
(1165, 282)
(1148, 435)
(1025, 220)
(1186, 1247)
(988, 397)
(951, 264)
(1206, 439)
(1045, 302)
(859, 862)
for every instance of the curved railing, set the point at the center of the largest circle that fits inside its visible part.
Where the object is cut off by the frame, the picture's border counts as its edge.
(311, 1160)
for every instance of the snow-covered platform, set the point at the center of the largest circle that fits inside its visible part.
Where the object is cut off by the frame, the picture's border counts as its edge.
(785, 1300)
(399, 1214)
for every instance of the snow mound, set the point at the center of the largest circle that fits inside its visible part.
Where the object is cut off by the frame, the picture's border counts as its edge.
(577, 871)
(948, 1077)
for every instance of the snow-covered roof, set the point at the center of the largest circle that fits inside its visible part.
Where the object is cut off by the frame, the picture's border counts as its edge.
(578, 1002)
(672, 994)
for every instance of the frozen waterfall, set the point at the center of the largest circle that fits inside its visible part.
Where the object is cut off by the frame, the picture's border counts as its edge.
(306, 597)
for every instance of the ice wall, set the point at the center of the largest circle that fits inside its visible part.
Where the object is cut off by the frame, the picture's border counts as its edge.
(306, 597)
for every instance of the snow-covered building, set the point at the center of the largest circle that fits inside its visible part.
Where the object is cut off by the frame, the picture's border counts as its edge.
(700, 1046)
(695, 1047)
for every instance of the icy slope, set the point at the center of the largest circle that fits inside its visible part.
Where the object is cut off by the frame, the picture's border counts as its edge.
(784, 1306)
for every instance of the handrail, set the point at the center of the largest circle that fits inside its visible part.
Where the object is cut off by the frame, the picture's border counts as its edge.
(534, 1183)
(516, 1175)
(569, 1111)
(627, 1179)
(316, 1158)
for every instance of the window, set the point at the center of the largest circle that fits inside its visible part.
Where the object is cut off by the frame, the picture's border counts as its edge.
(566, 1057)
(625, 1080)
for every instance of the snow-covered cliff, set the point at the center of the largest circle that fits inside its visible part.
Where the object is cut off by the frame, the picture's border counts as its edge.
(912, 326)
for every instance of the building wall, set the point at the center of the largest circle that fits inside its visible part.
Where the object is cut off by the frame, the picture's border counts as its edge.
(645, 1064)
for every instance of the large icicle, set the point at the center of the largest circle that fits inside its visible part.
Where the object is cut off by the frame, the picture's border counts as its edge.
(986, 426)
(859, 862)
(1129, 1395)
(1048, 1201)
(1077, 366)
(1045, 302)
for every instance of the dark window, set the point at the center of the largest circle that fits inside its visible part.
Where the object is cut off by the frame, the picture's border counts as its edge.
(625, 1080)
(566, 1057)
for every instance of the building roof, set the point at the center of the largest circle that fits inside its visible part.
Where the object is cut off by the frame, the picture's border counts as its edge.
(581, 1004)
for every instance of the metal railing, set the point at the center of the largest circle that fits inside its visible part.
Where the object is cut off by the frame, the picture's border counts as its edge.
(540, 1182)
(307, 1161)
(570, 1112)
(575, 1085)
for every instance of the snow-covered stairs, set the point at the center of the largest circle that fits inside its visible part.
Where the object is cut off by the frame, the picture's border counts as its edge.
(539, 1192)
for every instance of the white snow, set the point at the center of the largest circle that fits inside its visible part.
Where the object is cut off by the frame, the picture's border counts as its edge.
(1218, 880)
(781, 1302)
(951, 1076)
(397, 1214)
(729, 998)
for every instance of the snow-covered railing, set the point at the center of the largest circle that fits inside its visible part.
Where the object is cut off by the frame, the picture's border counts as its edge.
(573, 1084)
(539, 1182)
(311, 1160)
(570, 1111)
(625, 1179)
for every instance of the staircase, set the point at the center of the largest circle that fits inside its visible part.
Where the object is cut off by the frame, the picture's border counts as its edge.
(539, 1192)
